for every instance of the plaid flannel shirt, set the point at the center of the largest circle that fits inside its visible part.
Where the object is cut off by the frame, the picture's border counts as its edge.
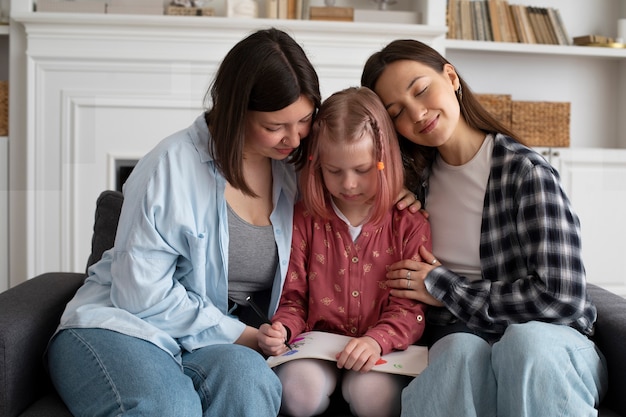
(530, 252)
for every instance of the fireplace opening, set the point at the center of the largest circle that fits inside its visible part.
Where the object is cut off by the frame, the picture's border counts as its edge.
(123, 168)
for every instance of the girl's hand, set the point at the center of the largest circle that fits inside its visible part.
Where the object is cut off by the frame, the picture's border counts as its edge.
(271, 338)
(406, 278)
(408, 200)
(360, 354)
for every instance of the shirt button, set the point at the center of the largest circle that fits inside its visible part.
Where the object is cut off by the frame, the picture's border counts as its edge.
(278, 231)
(420, 318)
(355, 259)
(355, 293)
(353, 330)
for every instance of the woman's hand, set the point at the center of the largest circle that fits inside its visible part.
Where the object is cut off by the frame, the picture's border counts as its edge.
(406, 278)
(360, 354)
(408, 200)
(272, 338)
(249, 338)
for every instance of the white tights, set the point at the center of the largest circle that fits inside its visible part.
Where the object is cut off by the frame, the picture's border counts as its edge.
(309, 383)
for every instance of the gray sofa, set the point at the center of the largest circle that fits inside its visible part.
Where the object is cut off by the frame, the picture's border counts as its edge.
(29, 314)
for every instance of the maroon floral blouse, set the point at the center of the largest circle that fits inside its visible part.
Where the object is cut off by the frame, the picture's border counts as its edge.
(338, 286)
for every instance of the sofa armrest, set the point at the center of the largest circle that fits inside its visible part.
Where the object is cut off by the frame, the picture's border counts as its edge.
(29, 315)
(610, 336)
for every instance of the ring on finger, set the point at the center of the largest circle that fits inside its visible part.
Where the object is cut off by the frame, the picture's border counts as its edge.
(408, 275)
(408, 284)
(434, 261)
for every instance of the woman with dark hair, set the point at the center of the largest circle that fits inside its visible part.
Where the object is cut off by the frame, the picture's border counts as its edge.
(161, 326)
(510, 334)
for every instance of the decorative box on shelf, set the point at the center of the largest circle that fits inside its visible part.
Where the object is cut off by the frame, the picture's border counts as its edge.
(499, 105)
(538, 123)
(71, 6)
(599, 40)
(332, 13)
(386, 16)
(190, 11)
(541, 123)
(135, 7)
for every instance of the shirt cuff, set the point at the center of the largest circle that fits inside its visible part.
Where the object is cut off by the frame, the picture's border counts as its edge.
(440, 281)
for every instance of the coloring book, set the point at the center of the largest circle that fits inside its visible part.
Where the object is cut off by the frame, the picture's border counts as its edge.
(322, 345)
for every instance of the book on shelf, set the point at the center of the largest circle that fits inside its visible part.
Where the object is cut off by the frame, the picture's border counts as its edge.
(500, 21)
(535, 24)
(545, 27)
(283, 6)
(525, 31)
(324, 346)
(482, 26)
(284, 9)
(451, 21)
(494, 19)
(550, 29)
(512, 33)
(559, 27)
(467, 26)
(517, 23)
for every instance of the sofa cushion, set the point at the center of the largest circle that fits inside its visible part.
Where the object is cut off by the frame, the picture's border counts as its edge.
(49, 405)
(108, 208)
(29, 315)
(611, 339)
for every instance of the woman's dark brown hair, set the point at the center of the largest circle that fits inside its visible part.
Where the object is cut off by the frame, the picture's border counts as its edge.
(418, 158)
(267, 71)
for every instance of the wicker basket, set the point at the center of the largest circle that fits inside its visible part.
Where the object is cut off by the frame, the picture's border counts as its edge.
(190, 11)
(499, 105)
(540, 123)
(4, 108)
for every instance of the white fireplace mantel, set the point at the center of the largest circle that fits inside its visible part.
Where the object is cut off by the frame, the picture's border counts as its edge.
(97, 36)
(105, 87)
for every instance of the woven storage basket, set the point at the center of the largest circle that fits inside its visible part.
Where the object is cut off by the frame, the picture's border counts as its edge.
(190, 11)
(4, 108)
(499, 105)
(541, 123)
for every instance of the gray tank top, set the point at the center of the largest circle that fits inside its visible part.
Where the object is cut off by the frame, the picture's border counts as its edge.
(252, 258)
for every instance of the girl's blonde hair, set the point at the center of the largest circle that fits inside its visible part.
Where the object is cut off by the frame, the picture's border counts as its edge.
(344, 118)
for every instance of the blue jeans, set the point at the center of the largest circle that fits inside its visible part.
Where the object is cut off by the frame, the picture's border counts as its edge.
(99, 372)
(535, 369)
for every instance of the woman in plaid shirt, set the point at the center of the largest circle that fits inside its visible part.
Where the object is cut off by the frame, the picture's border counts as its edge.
(511, 335)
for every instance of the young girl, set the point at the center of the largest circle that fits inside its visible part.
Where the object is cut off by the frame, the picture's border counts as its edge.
(512, 338)
(346, 233)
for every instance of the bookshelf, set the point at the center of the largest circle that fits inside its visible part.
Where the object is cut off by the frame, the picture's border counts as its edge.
(592, 79)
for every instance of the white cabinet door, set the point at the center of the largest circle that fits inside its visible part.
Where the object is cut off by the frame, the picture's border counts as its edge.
(595, 181)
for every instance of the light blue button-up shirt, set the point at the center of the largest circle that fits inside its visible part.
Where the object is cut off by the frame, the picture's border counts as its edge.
(166, 279)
